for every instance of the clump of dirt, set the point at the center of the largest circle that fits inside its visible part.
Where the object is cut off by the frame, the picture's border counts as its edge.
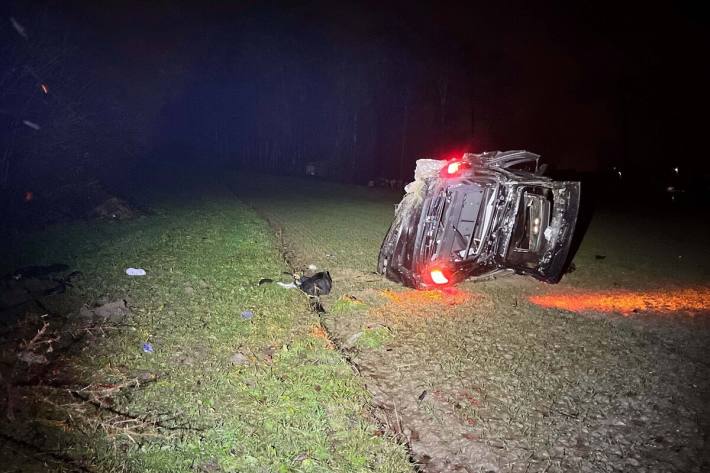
(114, 208)
(70, 201)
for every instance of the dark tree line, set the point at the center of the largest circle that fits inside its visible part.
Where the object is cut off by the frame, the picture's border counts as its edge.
(361, 90)
(276, 93)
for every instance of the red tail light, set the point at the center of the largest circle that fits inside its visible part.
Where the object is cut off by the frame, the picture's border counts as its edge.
(454, 168)
(438, 276)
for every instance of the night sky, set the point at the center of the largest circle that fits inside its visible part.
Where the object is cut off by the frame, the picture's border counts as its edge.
(362, 88)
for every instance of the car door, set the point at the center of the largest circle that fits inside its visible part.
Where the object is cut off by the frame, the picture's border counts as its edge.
(536, 236)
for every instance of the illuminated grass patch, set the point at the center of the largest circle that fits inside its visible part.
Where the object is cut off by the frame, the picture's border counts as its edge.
(223, 392)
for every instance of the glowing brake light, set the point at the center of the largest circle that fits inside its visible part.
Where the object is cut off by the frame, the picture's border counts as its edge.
(438, 277)
(454, 167)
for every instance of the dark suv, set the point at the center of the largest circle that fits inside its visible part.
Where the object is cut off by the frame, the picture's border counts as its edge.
(482, 213)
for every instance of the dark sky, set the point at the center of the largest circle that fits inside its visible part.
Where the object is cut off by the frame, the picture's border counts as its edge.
(370, 87)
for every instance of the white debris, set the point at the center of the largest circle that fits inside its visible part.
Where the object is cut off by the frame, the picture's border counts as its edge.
(426, 168)
(290, 285)
(32, 125)
(312, 267)
(18, 27)
(135, 272)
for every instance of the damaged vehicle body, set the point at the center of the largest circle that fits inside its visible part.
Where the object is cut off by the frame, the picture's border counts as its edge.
(482, 213)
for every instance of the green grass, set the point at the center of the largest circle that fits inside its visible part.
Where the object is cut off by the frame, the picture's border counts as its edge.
(344, 306)
(330, 225)
(373, 337)
(294, 406)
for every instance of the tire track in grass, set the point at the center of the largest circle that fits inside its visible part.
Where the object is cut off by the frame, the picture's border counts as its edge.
(351, 224)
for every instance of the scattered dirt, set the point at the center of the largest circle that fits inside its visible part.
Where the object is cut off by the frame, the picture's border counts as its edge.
(114, 208)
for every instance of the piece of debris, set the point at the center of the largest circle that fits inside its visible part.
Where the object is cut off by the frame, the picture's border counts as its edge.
(316, 285)
(112, 311)
(312, 267)
(113, 208)
(265, 281)
(422, 395)
(18, 27)
(291, 285)
(599, 256)
(148, 347)
(32, 125)
(135, 271)
(247, 314)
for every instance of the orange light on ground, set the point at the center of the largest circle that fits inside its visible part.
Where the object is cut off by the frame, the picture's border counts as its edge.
(412, 304)
(319, 333)
(44, 88)
(419, 299)
(627, 302)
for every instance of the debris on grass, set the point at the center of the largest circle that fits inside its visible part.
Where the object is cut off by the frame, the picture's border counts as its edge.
(222, 381)
(247, 314)
(135, 271)
(113, 312)
(319, 284)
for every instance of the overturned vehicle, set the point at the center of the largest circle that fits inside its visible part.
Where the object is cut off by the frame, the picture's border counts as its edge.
(477, 215)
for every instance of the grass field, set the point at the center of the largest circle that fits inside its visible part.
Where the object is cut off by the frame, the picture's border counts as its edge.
(493, 376)
(601, 372)
(218, 392)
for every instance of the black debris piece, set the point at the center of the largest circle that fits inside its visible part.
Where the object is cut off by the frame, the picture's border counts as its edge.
(317, 285)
